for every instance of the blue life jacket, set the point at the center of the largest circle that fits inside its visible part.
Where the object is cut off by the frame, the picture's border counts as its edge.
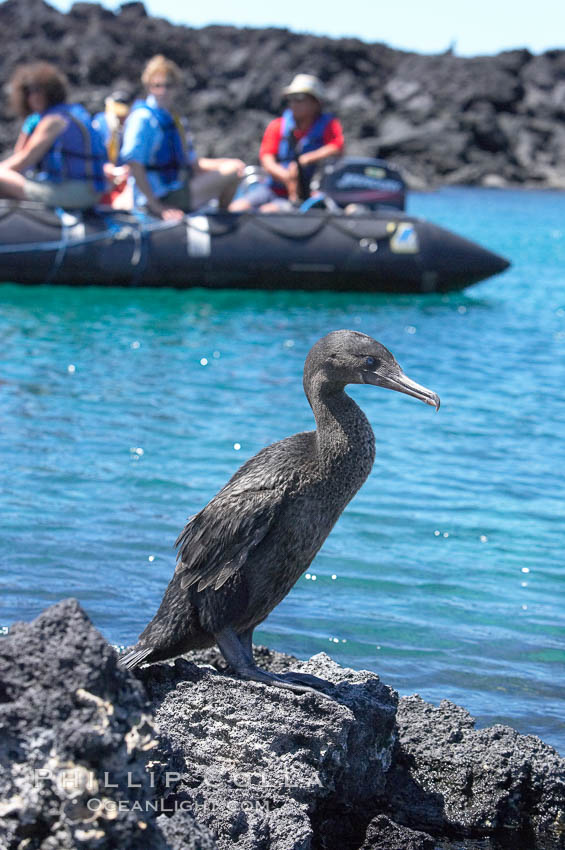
(289, 148)
(100, 123)
(78, 153)
(171, 156)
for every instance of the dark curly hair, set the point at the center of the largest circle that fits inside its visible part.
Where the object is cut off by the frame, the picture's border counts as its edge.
(52, 82)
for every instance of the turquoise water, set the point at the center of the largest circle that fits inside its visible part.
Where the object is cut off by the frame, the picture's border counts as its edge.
(123, 411)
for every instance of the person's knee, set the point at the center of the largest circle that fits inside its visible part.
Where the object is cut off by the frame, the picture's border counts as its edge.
(232, 167)
(11, 185)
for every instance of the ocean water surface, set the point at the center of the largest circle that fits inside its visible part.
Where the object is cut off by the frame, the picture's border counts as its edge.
(123, 411)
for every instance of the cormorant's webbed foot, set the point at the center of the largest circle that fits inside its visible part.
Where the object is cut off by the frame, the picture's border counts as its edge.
(304, 679)
(239, 656)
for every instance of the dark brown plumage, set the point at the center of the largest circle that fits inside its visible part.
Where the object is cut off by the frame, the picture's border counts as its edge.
(240, 556)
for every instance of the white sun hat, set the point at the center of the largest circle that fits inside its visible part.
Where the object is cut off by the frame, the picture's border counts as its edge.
(306, 84)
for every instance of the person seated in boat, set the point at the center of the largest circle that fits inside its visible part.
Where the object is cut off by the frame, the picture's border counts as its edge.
(60, 163)
(110, 124)
(19, 103)
(294, 145)
(169, 178)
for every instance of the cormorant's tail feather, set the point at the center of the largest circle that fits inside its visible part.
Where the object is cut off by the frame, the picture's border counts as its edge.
(134, 657)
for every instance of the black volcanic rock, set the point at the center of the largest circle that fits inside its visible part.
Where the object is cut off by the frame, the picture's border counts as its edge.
(74, 729)
(258, 764)
(442, 118)
(449, 777)
(185, 757)
(384, 834)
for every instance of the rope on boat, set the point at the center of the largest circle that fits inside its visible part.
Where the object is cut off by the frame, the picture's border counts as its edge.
(66, 243)
(116, 230)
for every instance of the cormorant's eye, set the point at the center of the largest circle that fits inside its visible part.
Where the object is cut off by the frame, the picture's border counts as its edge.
(371, 362)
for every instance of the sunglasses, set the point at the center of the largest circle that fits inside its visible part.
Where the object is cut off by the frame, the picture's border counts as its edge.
(32, 89)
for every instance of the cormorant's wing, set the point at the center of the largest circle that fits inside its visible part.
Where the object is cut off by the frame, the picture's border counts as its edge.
(218, 540)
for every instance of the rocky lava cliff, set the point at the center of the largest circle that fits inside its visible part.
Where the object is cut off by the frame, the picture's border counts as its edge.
(490, 120)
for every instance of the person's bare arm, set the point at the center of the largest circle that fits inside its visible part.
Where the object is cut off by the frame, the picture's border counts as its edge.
(21, 142)
(287, 175)
(275, 169)
(39, 143)
(154, 205)
(319, 154)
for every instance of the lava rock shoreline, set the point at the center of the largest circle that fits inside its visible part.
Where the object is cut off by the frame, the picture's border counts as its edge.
(185, 756)
(493, 121)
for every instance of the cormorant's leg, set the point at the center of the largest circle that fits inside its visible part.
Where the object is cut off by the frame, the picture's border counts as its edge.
(246, 639)
(237, 657)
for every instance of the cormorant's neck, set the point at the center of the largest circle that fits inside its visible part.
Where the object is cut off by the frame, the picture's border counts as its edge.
(328, 402)
(342, 427)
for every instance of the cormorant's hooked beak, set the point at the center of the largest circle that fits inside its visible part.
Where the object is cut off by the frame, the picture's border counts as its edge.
(398, 381)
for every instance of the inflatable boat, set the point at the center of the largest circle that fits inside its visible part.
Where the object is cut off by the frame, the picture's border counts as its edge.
(362, 247)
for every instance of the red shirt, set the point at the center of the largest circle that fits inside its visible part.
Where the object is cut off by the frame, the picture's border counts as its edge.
(333, 135)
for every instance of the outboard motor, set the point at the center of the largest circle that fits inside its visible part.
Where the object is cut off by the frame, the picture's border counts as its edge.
(253, 179)
(361, 180)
